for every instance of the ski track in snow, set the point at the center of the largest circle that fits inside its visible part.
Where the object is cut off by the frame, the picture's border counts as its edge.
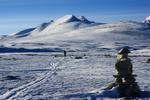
(25, 89)
(77, 79)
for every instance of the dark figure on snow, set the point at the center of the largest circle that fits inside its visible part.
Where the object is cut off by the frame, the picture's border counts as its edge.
(125, 79)
(65, 53)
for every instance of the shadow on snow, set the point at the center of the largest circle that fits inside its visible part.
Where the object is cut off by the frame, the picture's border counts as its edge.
(104, 94)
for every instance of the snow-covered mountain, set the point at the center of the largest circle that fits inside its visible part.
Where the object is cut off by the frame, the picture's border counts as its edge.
(72, 33)
(79, 75)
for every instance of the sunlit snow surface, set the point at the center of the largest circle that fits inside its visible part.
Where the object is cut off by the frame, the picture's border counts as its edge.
(49, 76)
(71, 33)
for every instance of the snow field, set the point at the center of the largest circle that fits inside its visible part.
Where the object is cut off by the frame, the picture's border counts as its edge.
(47, 76)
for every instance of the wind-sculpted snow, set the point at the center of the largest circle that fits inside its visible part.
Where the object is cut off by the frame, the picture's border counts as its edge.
(80, 75)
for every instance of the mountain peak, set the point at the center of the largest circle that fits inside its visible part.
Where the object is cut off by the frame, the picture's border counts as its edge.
(67, 18)
(84, 19)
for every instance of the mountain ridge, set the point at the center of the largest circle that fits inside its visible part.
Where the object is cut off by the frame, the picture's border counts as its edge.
(70, 32)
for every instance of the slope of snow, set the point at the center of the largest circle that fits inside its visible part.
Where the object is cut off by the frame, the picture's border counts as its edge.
(27, 32)
(61, 25)
(23, 33)
(85, 20)
(42, 27)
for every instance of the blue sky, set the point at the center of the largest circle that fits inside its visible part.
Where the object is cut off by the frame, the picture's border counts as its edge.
(16, 15)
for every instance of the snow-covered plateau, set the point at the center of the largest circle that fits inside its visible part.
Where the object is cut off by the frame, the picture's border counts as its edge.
(33, 67)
